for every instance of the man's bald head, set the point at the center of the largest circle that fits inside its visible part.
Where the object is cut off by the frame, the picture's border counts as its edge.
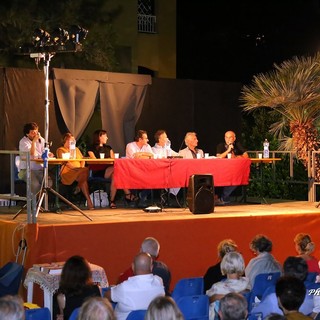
(142, 264)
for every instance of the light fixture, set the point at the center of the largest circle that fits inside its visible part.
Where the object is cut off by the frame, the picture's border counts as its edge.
(41, 38)
(77, 34)
(59, 36)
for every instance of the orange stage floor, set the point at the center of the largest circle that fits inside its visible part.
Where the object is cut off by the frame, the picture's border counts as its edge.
(188, 241)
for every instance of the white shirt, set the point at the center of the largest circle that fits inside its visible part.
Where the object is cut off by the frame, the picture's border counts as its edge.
(25, 146)
(136, 293)
(133, 148)
(163, 152)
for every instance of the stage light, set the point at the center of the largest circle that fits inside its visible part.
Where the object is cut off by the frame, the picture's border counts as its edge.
(41, 38)
(77, 34)
(59, 36)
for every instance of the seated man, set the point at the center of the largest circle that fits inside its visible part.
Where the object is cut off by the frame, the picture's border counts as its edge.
(191, 151)
(233, 306)
(151, 246)
(290, 292)
(138, 291)
(235, 150)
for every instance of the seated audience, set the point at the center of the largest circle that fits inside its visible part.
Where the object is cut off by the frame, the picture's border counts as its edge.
(74, 288)
(74, 170)
(151, 246)
(264, 262)
(191, 151)
(99, 145)
(305, 247)
(214, 274)
(96, 308)
(232, 265)
(163, 308)
(138, 291)
(296, 267)
(291, 292)
(233, 306)
(11, 308)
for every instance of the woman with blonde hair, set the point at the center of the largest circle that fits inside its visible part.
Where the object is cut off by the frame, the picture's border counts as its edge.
(305, 247)
(96, 308)
(163, 308)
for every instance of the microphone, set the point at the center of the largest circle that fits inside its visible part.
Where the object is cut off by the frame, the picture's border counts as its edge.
(231, 145)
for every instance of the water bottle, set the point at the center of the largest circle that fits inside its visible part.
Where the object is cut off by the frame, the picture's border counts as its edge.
(72, 147)
(168, 147)
(266, 148)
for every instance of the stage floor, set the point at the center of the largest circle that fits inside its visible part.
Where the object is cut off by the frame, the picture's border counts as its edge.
(122, 214)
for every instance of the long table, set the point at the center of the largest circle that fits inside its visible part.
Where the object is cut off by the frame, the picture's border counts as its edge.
(173, 173)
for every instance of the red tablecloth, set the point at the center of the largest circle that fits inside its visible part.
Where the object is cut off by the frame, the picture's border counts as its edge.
(172, 173)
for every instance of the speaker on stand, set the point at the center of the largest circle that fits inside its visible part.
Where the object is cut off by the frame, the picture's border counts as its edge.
(200, 195)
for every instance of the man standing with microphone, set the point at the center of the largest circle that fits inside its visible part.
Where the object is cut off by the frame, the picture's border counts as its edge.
(229, 149)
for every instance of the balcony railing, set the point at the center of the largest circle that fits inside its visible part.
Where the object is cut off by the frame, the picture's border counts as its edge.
(147, 23)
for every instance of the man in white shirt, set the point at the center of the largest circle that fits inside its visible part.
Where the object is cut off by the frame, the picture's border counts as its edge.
(32, 142)
(139, 148)
(138, 291)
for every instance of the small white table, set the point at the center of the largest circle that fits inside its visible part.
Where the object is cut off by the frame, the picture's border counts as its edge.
(49, 283)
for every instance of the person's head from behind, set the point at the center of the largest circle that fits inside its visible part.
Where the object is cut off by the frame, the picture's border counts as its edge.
(163, 308)
(296, 267)
(11, 308)
(96, 308)
(232, 263)
(100, 137)
(233, 306)
(304, 244)
(152, 246)
(75, 275)
(142, 264)
(290, 292)
(261, 243)
(225, 246)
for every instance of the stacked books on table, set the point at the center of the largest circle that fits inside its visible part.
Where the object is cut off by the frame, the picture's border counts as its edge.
(50, 268)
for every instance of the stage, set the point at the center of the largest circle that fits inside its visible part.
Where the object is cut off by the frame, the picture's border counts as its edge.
(188, 241)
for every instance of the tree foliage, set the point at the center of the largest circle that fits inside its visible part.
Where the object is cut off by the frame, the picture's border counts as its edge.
(19, 18)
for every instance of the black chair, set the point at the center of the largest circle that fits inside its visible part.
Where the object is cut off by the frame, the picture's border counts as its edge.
(10, 278)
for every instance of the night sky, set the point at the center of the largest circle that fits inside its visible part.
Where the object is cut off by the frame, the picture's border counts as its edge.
(233, 40)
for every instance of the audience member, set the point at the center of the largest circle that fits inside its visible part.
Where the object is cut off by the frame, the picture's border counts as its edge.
(191, 151)
(99, 145)
(75, 286)
(74, 170)
(214, 274)
(33, 143)
(139, 148)
(232, 265)
(163, 308)
(291, 292)
(296, 267)
(233, 306)
(138, 291)
(235, 149)
(305, 247)
(96, 308)
(264, 262)
(11, 308)
(151, 246)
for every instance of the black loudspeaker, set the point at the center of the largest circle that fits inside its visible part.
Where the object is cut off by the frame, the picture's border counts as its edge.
(200, 196)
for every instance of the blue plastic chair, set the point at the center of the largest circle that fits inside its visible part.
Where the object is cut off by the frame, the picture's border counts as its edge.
(194, 307)
(74, 314)
(38, 314)
(137, 315)
(10, 278)
(261, 283)
(188, 287)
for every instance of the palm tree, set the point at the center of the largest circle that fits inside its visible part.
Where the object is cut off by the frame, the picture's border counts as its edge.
(292, 92)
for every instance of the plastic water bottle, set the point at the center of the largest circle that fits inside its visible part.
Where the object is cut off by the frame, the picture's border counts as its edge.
(72, 147)
(168, 147)
(266, 148)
